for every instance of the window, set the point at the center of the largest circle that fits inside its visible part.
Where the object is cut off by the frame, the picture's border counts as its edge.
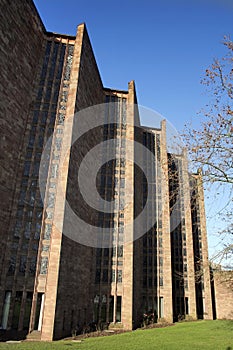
(27, 168)
(14, 245)
(121, 229)
(16, 310)
(61, 118)
(45, 248)
(17, 229)
(186, 306)
(118, 309)
(97, 276)
(32, 268)
(49, 215)
(144, 281)
(105, 276)
(113, 277)
(48, 94)
(40, 141)
(122, 162)
(45, 107)
(54, 171)
(122, 183)
(51, 200)
(64, 96)
(35, 246)
(44, 116)
(37, 231)
(161, 307)
(31, 141)
(32, 196)
(27, 231)
(58, 144)
(119, 276)
(12, 264)
(35, 117)
(22, 264)
(47, 232)
(122, 204)
(106, 252)
(120, 250)
(36, 168)
(44, 266)
(114, 251)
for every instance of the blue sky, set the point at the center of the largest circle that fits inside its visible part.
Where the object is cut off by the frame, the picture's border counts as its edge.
(164, 45)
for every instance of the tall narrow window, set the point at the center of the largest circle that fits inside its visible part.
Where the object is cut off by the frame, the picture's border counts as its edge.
(186, 306)
(6, 308)
(16, 311)
(161, 307)
(41, 308)
(27, 310)
(118, 309)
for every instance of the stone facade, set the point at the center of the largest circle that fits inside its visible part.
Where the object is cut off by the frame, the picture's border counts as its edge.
(200, 248)
(52, 280)
(22, 40)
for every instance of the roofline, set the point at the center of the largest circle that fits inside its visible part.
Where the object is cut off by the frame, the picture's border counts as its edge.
(65, 36)
(115, 90)
(38, 15)
(150, 128)
(48, 33)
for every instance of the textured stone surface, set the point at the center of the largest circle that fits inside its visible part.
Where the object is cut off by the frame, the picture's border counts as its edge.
(201, 249)
(69, 280)
(223, 283)
(69, 293)
(21, 48)
(21, 35)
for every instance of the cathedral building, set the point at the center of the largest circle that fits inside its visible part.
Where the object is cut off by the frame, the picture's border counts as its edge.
(100, 222)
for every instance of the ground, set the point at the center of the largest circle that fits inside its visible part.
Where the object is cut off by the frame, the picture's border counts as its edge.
(199, 335)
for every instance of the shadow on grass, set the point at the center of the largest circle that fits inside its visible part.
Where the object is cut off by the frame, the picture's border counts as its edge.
(12, 335)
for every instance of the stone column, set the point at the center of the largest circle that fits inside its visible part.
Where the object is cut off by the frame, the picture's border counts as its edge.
(207, 299)
(166, 290)
(190, 291)
(127, 282)
(51, 283)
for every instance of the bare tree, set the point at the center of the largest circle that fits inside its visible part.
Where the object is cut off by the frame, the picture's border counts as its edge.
(211, 146)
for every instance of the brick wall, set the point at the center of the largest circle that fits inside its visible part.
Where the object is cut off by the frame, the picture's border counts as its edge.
(21, 47)
(21, 36)
(223, 287)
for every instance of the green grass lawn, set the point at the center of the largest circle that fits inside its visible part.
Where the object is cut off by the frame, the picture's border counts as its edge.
(214, 335)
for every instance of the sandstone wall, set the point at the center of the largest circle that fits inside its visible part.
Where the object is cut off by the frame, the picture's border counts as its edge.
(21, 36)
(223, 286)
(75, 298)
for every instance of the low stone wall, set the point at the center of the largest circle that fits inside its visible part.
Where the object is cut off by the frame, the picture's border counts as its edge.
(223, 283)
